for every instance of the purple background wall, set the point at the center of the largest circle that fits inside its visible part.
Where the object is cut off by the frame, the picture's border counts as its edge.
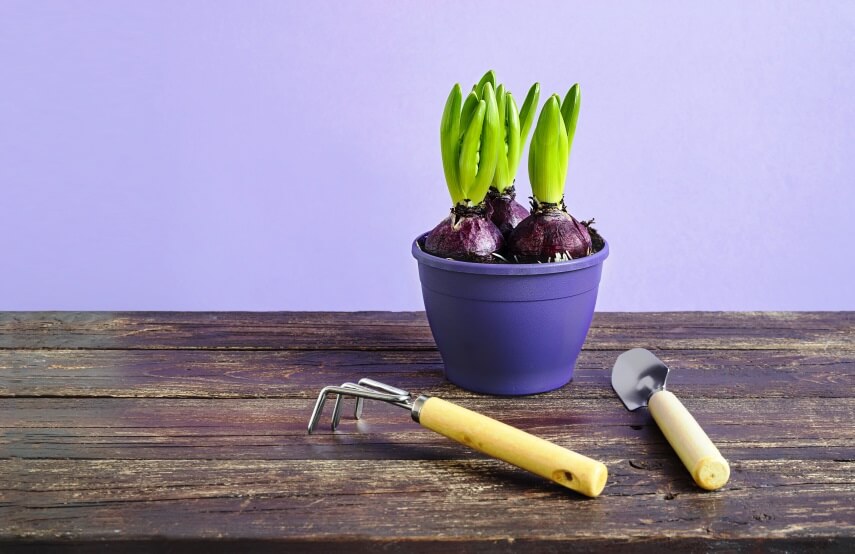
(276, 155)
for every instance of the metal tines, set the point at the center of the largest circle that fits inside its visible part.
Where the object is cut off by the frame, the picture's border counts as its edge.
(366, 388)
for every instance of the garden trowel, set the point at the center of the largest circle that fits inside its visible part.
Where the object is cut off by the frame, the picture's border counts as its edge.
(638, 378)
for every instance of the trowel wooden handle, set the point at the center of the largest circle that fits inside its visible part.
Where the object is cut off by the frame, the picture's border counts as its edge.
(496, 439)
(700, 456)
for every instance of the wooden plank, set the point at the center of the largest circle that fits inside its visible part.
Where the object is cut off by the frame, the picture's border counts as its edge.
(221, 330)
(141, 431)
(273, 428)
(301, 374)
(649, 544)
(799, 331)
(451, 500)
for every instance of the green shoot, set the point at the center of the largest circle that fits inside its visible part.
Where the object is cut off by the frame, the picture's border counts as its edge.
(469, 141)
(528, 110)
(550, 146)
(547, 157)
(469, 107)
(513, 131)
(489, 77)
(570, 113)
(449, 142)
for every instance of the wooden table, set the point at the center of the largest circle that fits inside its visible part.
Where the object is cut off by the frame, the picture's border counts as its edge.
(157, 430)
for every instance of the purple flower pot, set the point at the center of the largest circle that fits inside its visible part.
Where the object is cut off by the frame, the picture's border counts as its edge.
(509, 329)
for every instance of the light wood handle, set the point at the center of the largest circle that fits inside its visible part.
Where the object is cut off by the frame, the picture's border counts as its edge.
(496, 439)
(700, 456)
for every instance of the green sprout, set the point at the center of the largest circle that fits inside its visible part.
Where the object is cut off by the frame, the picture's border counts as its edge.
(470, 140)
(513, 131)
(489, 77)
(550, 147)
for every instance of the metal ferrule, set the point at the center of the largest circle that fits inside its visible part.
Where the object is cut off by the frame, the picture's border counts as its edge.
(416, 412)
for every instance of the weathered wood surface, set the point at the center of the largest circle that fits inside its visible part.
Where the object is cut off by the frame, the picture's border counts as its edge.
(408, 331)
(187, 430)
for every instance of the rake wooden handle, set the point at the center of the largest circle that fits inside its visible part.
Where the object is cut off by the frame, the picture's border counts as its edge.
(496, 439)
(700, 456)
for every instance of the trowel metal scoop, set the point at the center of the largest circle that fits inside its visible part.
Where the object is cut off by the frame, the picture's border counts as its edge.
(638, 378)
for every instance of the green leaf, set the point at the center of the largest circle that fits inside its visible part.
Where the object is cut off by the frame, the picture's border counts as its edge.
(529, 108)
(547, 160)
(448, 136)
(470, 105)
(468, 160)
(533, 176)
(563, 158)
(489, 77)
(501, 98)
(489, 150)
(501, 177)
(515, 141)
(570, 111)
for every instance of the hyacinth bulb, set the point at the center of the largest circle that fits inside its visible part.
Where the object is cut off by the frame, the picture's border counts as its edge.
(469, 141)
(549, 234)
(466, 235)
(504, 210)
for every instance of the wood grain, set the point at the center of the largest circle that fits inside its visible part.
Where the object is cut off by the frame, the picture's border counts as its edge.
(299, 374)
(145, 431)
(408, 330)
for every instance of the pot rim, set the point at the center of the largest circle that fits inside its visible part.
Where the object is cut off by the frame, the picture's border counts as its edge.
(506, 269)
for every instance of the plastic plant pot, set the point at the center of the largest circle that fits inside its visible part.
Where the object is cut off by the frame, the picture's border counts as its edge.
(509, 329)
